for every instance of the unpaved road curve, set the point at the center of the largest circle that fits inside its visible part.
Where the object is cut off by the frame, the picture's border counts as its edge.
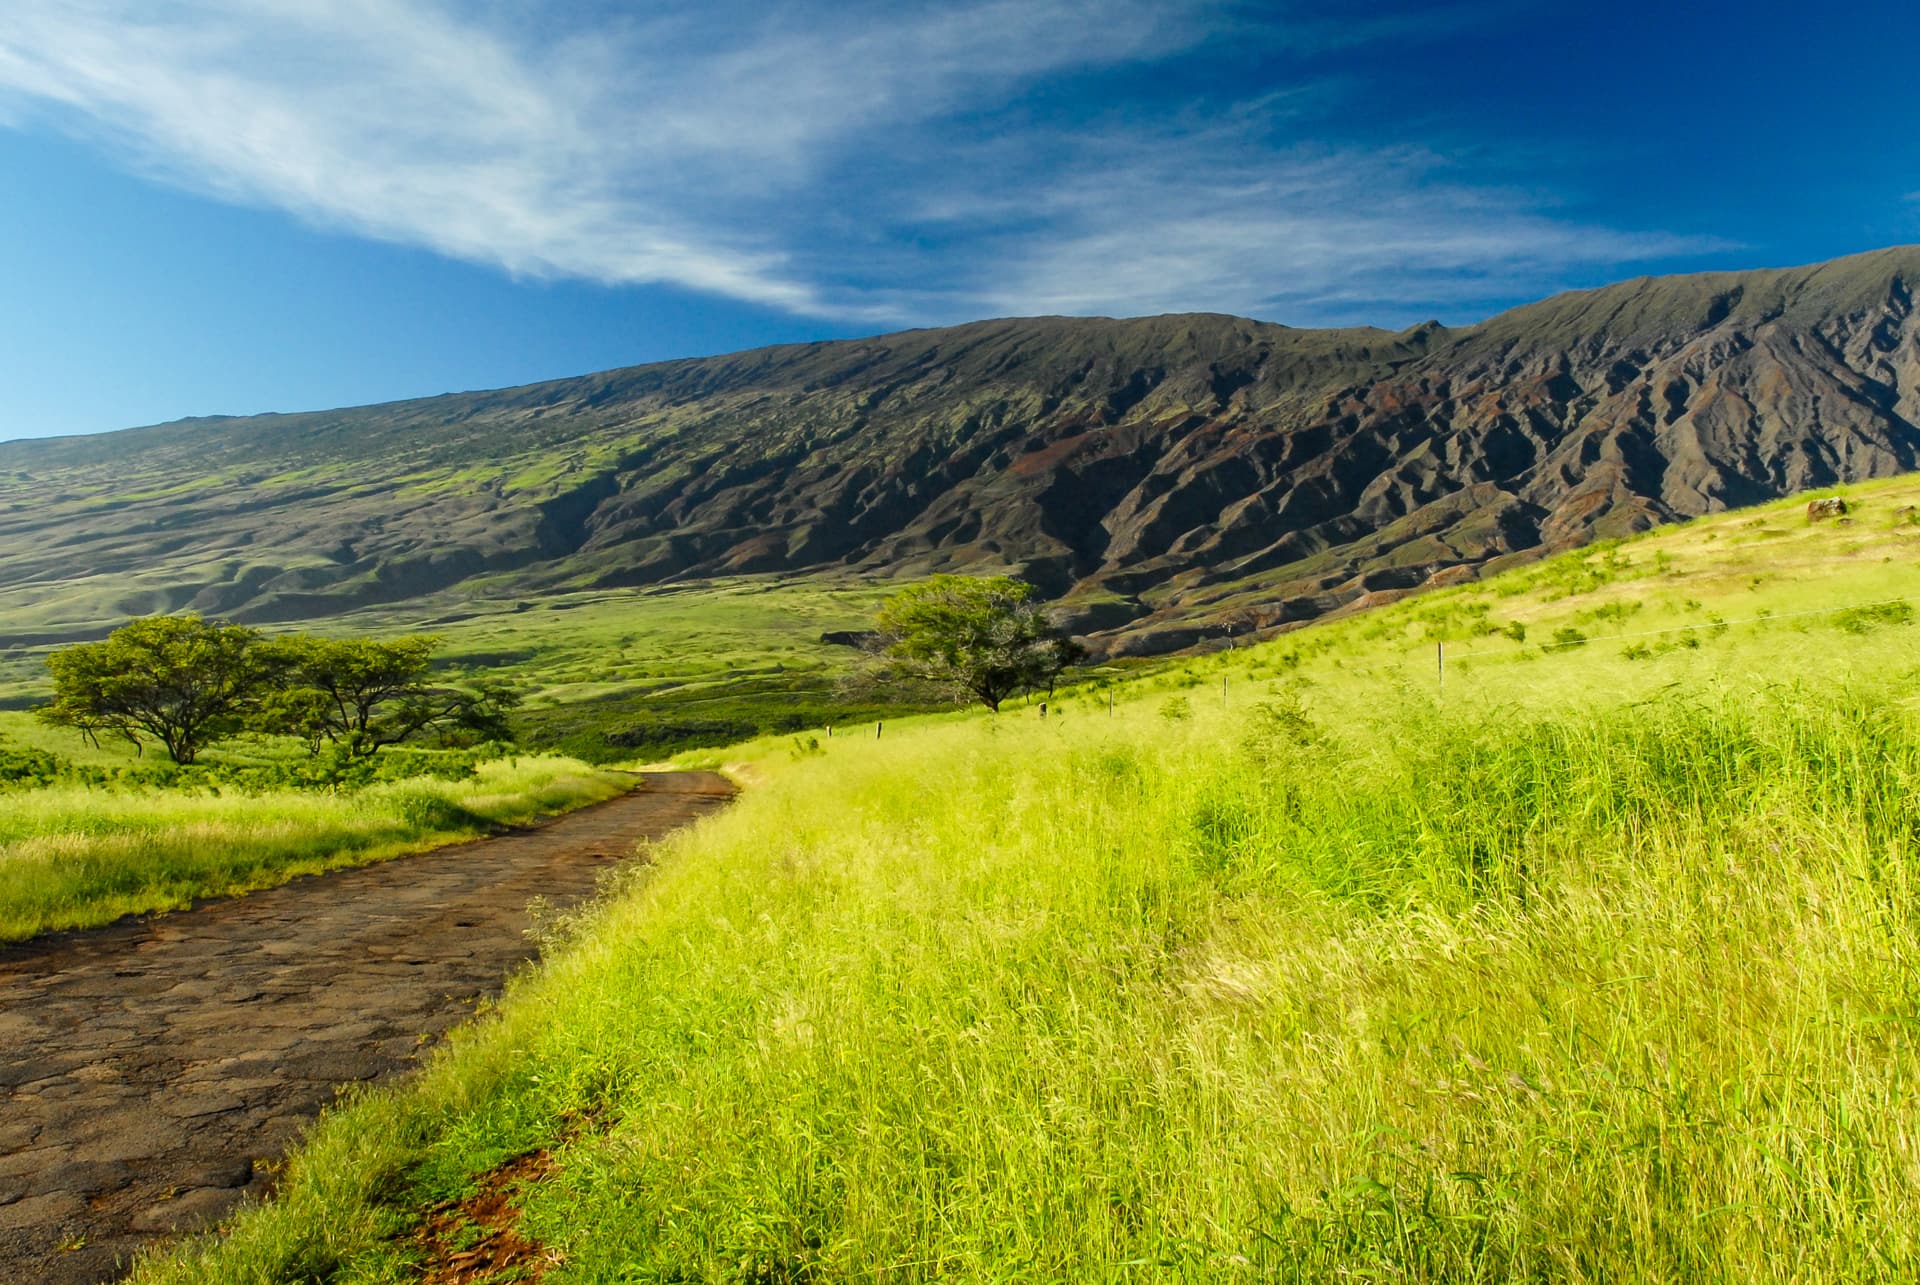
(145, 1066)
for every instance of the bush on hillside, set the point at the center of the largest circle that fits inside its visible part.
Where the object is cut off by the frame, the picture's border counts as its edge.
(23, 768)
(1862, 620)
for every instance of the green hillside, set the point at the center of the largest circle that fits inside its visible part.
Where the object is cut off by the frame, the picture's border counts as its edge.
(1593, 964)
(1161, 478)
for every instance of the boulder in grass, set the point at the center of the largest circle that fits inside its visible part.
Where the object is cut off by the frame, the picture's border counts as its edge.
(1831, 507)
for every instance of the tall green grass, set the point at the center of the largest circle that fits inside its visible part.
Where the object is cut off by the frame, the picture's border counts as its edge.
(73, 856)
(1319, 985)
(1599, 969)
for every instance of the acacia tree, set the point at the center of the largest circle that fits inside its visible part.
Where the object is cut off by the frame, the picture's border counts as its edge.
(184, 681)
(984, 636)
(363, 694)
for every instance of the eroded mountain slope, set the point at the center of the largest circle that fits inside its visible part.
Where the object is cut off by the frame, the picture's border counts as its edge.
(1164, 474)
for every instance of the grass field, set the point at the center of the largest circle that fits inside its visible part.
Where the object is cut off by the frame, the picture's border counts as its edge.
(1290, 964)
(76, 855)
(609, 678)
(618, 675)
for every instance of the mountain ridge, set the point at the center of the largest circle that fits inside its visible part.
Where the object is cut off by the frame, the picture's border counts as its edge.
(1165, 476)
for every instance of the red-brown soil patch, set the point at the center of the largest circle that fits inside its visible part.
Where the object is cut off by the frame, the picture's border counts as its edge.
(477, 1240)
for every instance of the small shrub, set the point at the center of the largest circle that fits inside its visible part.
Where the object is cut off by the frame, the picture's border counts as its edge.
(1862, 620)
(1611, 611)
(1176, 709)
(29, 768)
(1568, 636)
(1277, 726)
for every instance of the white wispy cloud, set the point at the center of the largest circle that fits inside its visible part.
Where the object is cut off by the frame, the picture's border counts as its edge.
(852, 159)
(1311, 234)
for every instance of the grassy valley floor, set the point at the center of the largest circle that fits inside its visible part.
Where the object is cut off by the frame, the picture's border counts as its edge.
(1595, 964)
(616, 676)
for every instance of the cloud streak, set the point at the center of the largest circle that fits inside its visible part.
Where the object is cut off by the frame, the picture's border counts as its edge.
(859, 160)
(1312, 234)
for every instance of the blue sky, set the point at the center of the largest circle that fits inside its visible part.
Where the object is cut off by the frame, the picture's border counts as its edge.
(231, 206)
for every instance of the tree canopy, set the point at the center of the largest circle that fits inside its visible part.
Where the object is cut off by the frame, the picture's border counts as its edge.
(984, 636)
(184, 681)
(364, 693)
(189, 682)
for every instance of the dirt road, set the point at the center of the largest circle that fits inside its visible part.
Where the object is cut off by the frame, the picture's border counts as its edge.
(145, 1067)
